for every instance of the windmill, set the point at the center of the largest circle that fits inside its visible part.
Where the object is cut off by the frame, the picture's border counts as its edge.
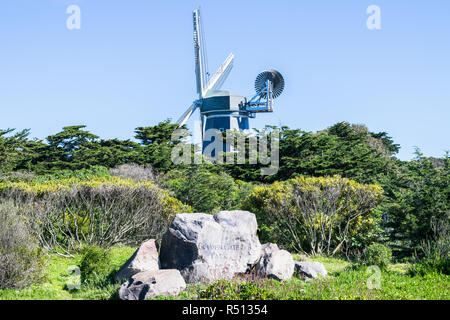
(222, 110)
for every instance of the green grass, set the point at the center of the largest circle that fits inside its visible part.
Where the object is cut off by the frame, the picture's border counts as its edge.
(343, 282)
(347, 285)
(352, 284)
(54, 285)
(331, 264)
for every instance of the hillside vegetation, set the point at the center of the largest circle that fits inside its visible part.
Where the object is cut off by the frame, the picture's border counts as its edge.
(340, 196)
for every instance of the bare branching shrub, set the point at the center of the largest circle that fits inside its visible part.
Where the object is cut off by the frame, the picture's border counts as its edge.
(20, 256)
(318, 215)
(17, 176)
(438, 247)
(329, 209)
(134, 172)
(102, 215)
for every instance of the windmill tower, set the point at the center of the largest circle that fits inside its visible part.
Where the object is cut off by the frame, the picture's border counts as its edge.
(223, 110)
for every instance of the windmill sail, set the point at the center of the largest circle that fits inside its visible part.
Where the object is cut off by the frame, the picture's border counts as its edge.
(200, 62)
(221, 75)
(187, 114)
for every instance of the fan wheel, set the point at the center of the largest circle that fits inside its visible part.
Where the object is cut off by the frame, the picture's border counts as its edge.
(277, 82)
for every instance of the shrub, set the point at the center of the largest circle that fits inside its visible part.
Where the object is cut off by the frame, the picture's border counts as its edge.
(418, 199)
(205, 190)
(434, 253)
(68, 213)
(96, 265)
(134, 172)
(269, 230)
(18, 176)
(379, 255)
(429, 266)
(20, 257)
(81, 174)
(314, 215)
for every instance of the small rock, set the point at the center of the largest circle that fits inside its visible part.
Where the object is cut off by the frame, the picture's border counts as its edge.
(144, 259)
(309, 269)
(277, 264)
(150, 284)
(267, 248)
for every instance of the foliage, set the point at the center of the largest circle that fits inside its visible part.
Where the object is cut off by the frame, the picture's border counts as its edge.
(95, 265)
(57, 277)
(157, 145)
(343, 149)
(252, 156)
(351, 284)
(17, 176)
(347, 150)
(68, 213)
(76, 148)
(430, 266)
(378, 255)
(81, 174)
(20, 257)
(205, 190)
(417, 195)
(314, 215)
(231, 290)
(15, 150)
(333, 265)
(134, 172)
(347, 284)
(415, 192)
(434, 254)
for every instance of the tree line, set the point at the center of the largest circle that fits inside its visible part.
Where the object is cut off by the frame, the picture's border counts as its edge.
(415, 193)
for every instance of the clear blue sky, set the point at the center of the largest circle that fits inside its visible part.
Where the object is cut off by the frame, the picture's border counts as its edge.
(131, 64)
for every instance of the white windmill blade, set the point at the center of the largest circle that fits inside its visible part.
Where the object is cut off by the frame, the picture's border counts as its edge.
(187, 114)
(199, 58)
(221, 75)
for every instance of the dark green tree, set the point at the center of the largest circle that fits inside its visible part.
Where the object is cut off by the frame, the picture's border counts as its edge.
(343, 149)
(417, 194)
(157, 145)
(62, 149)
(14, 149)
(347, 150)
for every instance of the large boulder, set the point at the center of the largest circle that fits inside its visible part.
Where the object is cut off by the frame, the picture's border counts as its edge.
(207, 247)
(275, 263)
(145, 258)
(308, 269)
(150, 284)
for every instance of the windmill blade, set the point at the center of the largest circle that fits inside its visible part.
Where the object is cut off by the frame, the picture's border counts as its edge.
(187, 114)
(199, 58)
(221, 75)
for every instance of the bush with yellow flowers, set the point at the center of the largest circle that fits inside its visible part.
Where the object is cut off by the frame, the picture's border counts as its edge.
(68, 213)
(317, 215)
